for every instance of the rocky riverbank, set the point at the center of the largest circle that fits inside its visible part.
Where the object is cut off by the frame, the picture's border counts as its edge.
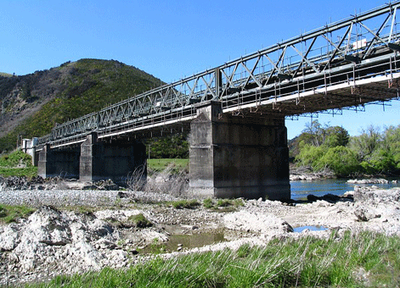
(74, 231)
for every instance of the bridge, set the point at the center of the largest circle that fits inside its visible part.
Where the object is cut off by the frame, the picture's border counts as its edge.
(236, 112)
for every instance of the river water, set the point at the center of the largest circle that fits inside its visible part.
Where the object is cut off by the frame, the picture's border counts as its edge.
(300, 189)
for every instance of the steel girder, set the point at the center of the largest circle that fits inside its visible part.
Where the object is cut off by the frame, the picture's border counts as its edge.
(361, 46)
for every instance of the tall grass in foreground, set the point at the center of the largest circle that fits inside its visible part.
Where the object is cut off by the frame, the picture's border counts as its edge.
(353, 261)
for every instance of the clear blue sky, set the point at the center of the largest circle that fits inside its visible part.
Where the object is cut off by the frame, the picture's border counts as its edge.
(169, 39)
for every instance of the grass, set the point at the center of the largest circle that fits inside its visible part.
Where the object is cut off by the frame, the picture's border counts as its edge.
(306, 262)
(29, 172)
(9, 165)
(223, 205)
(9, 214)
(158, 165)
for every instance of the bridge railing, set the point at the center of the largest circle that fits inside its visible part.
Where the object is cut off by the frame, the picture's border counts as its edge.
(293, 65)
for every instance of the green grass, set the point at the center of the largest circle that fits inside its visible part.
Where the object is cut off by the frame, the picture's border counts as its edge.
(9, 214)
(28, 172)
(306, 262)
(15, 158)
(158, 165)
(223, 205)
(9, 162)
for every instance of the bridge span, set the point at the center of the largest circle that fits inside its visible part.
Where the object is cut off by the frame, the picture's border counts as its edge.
(236, 112)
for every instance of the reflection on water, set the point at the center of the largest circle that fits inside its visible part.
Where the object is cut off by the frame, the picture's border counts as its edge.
(300, 189)
(311, 228)
(192, 241)
(178, 242)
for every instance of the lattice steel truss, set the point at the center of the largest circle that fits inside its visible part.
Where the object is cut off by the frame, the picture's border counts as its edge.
(289, 78)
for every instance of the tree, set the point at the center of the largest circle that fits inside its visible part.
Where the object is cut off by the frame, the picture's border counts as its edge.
(336, 136)
(309, 155)
(313, 134)
(366, 143)
(341, 160)
(391, 143)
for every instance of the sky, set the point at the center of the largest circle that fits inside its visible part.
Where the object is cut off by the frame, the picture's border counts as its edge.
(171, 39)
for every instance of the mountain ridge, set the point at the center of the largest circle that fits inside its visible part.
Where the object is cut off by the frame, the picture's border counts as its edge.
(32, 104)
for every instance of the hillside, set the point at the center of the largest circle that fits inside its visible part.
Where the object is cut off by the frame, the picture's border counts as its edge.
(33, 103)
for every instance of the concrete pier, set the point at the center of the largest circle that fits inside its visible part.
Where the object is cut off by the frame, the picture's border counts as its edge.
(94, 160)
(59, 162)
(110, 160)
(232, 156)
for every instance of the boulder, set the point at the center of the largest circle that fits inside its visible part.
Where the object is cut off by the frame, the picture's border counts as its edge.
(370, 194)
(365, 214)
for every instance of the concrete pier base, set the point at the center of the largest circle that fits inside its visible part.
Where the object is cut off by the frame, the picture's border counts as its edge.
(234, 157)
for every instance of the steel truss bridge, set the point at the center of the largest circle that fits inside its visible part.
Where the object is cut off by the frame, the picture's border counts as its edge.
(343, 65)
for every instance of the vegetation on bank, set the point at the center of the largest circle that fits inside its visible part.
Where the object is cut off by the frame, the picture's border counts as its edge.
(17, 163)
(371, 153)
(169, 146)
(356, 260)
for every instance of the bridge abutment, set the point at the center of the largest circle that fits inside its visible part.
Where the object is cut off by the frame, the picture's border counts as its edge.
(233, 156)
(114, 160)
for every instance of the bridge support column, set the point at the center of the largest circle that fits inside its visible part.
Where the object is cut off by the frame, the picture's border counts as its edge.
(58, 162)
(116, 160)
(238, 157)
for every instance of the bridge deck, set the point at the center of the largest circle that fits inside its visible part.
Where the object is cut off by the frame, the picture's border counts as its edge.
(345, 64)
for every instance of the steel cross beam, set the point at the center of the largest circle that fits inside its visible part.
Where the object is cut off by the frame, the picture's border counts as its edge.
(342, 51)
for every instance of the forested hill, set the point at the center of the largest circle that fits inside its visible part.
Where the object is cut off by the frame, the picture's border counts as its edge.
(33, 103)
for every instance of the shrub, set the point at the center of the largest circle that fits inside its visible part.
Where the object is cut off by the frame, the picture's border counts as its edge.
(139, 221)
(189, 204)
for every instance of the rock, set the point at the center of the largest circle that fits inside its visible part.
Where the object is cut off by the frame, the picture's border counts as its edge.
(9, 237)
(368, 181)
(105, 244)
(365, 194)
(255, 222)
(49, 226)
(329, 198)
(365, 214)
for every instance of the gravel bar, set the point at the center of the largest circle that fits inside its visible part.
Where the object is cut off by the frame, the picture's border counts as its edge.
(59, 198)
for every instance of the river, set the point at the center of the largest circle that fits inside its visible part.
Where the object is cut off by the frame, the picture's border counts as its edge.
(300, 189)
